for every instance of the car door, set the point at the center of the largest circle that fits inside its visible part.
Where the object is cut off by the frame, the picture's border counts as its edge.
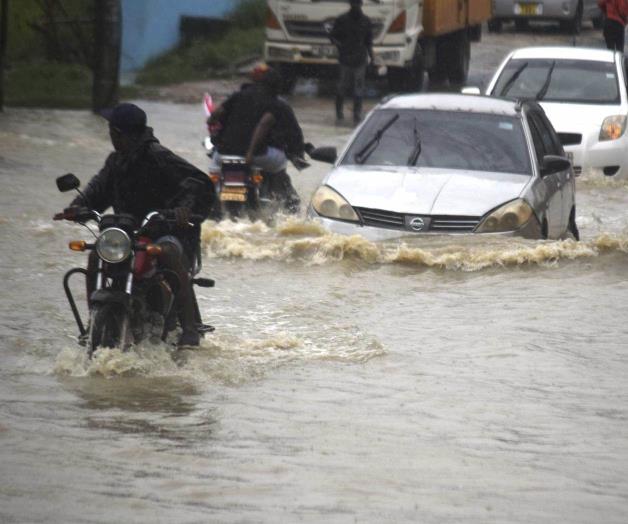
(566, 178)
(552, 183)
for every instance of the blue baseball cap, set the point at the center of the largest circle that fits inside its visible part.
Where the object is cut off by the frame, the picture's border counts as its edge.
(126, 117)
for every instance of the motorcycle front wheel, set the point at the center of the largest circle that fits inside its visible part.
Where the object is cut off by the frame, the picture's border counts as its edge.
(108, 328)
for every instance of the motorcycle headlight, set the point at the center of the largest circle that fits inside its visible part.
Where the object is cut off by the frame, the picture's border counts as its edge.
(613, 127)
(113, 245)
(327, 203)
(509, 217)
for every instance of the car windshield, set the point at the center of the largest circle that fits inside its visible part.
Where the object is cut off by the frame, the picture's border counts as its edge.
(552, 80)
(441, 139)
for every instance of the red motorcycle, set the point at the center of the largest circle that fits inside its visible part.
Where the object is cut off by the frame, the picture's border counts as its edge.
(133, 298)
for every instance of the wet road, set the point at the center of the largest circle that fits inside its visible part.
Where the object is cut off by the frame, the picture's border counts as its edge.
(440, 380)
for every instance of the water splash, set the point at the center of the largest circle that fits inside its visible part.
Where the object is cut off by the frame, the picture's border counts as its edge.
(223, 358)
(307, 242)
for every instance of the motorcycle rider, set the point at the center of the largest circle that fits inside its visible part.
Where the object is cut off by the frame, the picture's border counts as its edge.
(255, 123)
(141, 176)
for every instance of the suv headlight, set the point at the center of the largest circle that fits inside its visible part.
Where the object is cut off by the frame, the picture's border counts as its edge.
(508, 217)
(113, 245)
(613, 127)
(327, 203)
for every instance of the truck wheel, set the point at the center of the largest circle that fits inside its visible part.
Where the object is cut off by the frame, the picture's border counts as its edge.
(521, 24)
(475, 33)
(455, 53)
(402, 80)
(574, 26)
(494, 26)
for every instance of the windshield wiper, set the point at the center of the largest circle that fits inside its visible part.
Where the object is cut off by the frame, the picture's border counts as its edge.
(511, 81)
(416, 151)
(543, 91)
(362, 155)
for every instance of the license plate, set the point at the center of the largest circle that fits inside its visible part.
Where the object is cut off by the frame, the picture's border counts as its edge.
(232, 197)
(324, 51)
(528, 9)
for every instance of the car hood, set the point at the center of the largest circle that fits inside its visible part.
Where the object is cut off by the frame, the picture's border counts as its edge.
(579, 118)
(426, 191)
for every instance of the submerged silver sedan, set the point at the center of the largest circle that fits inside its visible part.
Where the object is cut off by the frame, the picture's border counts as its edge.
(449, 164)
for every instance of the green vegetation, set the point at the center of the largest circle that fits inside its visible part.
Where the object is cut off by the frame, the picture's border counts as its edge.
(49, 84)
(211, 57)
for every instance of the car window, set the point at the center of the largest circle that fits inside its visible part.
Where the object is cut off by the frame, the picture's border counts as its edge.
(446, 139)
(575, 81)
(537, 141)
(550, 146)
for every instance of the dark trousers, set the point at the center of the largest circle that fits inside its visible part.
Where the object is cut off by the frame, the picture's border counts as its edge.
(614, 35)
(351, 79)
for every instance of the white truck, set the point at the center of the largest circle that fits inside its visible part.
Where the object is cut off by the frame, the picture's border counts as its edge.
(410, 37)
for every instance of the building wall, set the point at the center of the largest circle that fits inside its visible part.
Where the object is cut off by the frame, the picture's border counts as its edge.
(151, 27)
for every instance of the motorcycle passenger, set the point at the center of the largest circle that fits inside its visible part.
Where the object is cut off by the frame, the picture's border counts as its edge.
(141, 176)
(256, 123)
(245, 119)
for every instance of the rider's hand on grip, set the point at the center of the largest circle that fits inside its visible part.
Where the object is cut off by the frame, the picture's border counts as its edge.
(69, 213)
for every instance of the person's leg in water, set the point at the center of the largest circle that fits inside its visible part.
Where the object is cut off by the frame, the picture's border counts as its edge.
(274, 163)
(359, 81)
(172, 258)
(344, 78)
(614, 35)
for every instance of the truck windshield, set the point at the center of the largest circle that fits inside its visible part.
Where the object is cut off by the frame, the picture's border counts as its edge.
(572, 81)
(448, 139)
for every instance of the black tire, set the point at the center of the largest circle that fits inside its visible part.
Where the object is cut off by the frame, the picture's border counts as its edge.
(521, 24)
(573, 227)
(494, 26)
(544, 229)
(574, 26)
(475, 33)
(234, 209)
(106, 327)
(402, 80)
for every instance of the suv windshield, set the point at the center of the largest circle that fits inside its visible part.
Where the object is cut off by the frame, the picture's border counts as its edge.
(441, 139)
(574, 81)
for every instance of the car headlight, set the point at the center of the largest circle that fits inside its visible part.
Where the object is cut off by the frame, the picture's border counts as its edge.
(113, 245)
(509, 217)
(613, 127)
(326, 202)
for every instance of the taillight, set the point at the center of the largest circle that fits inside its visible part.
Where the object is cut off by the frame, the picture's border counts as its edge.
(214, 176)
(257, 179)
(271, 20)
(399, 24)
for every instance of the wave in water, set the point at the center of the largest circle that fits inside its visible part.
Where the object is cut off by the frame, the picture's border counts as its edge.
(221, 358)
(308, 241)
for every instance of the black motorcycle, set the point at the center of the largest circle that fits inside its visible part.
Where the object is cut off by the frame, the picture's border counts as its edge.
(133, 298)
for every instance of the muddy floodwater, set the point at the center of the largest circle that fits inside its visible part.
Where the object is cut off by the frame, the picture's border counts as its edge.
(427, 380)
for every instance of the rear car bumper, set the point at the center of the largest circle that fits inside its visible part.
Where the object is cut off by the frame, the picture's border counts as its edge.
(608, 158)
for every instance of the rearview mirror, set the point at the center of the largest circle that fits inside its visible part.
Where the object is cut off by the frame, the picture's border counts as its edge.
(67, 183)
(471, 90)
(554, 164)
(324, 154)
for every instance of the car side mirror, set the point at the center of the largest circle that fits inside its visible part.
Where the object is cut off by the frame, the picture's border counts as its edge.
(554, 164)
(471, 90)
(324, 154)
(67, 183)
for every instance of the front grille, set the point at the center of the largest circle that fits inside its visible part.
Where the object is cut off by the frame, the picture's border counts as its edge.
(454, 224)
(313, 29)
(401, 221)
(380, 218)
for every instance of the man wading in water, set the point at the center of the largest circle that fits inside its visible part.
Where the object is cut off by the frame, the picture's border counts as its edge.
(353, 36)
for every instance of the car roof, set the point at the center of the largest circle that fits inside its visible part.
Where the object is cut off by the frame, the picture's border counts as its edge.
(453, 102)
(565, 52)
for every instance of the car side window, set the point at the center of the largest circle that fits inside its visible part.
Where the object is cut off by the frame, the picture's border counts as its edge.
(550, 145)
(537, 140)
(558, 146)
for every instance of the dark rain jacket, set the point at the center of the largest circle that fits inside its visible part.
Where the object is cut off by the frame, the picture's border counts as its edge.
(149, 178)
(354, 37)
